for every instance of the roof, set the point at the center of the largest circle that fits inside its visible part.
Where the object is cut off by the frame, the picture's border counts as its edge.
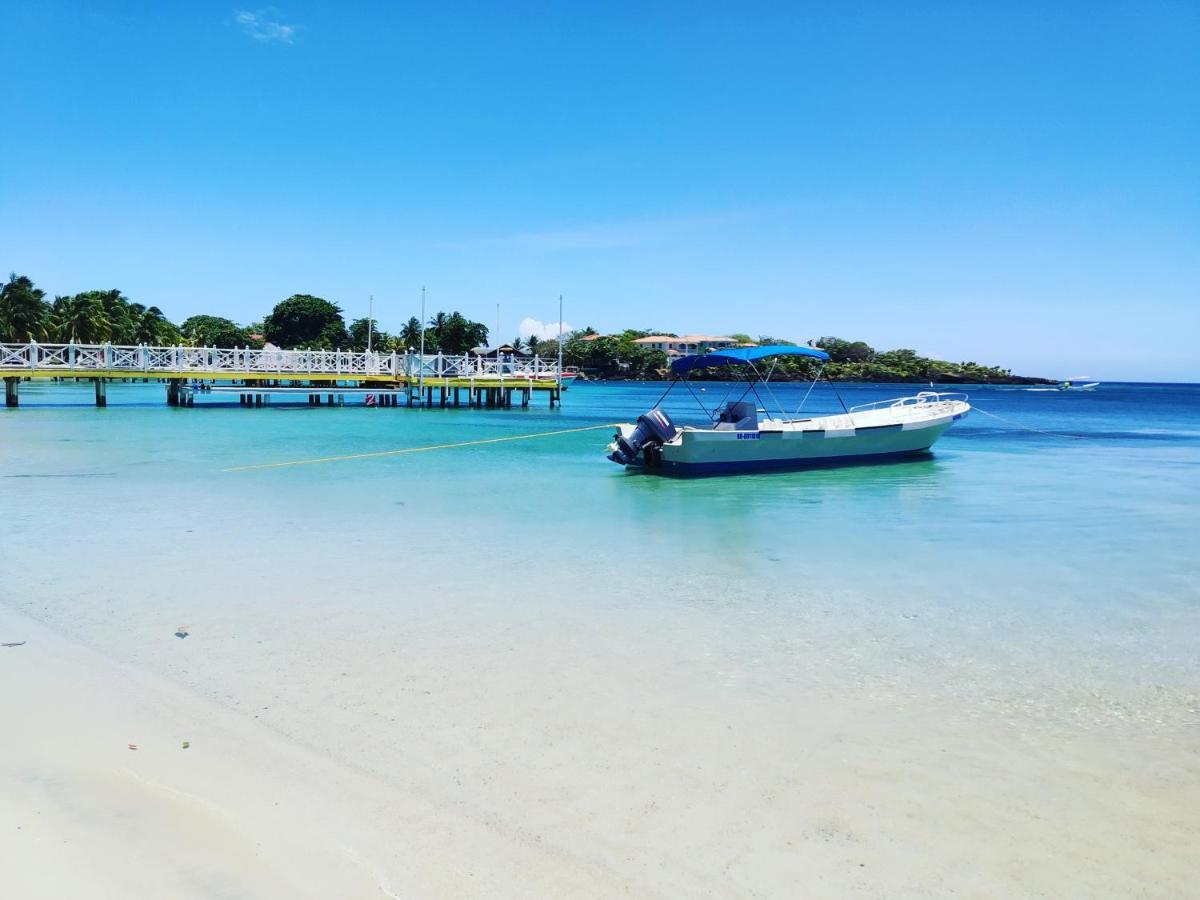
(742, 356)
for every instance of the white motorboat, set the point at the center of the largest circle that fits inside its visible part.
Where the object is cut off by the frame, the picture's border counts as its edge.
(739, 441)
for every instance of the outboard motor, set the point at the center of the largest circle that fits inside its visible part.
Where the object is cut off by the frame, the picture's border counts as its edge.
(653, 430)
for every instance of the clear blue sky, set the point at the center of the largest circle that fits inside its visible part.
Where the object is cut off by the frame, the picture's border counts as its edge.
(1014, 184)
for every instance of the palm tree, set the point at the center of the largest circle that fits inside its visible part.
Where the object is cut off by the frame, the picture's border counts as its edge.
(532, 344)
(23, 310)
(410, 334)
(81, 318)
(152, 327)
(518, 345)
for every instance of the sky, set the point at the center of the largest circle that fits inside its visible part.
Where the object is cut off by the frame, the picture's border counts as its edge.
(1013, 184)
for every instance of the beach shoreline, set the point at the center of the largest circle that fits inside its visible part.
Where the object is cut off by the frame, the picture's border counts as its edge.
(245, 811)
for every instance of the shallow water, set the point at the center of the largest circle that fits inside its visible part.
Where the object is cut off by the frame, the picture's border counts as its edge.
(560, 629)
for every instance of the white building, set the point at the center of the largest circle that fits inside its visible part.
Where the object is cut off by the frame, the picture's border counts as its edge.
(688, 343)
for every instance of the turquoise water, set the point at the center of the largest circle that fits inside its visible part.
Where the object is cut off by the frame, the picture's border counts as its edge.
(1068, 553)
(1055, 569)
(990, 654)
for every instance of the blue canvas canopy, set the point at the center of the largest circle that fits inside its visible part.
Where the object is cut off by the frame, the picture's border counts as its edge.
(742, 356)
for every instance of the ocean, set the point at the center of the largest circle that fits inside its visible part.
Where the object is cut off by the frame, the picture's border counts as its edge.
(685, 673)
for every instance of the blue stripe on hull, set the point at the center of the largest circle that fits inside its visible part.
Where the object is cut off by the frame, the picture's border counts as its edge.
(687, 470)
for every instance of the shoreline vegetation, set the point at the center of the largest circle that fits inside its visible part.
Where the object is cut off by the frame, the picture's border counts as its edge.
(307, 322)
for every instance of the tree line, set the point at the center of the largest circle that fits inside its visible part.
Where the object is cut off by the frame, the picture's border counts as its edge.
(620, 356)
(302, 322)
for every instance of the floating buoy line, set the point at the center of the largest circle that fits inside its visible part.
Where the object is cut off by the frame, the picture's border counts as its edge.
(402, 450)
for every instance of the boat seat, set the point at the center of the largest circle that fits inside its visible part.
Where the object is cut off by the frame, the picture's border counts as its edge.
(741, 416)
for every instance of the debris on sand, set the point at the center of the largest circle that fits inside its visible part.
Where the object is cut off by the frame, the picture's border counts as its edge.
(186, 744)
(181, 632)
(132, 746)
(14, 644)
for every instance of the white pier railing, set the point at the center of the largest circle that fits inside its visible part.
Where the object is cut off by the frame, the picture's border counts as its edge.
(210, 362)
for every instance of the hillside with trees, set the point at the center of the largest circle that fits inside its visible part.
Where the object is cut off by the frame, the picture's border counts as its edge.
(620, 357)
(303, 321)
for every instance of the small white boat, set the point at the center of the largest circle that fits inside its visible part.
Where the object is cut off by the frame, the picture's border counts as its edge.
(1079, 383)
(739, 441)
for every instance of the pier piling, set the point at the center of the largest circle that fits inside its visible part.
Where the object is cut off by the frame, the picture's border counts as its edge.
(11, 399)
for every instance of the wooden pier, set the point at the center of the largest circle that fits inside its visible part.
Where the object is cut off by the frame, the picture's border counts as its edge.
(326, 377)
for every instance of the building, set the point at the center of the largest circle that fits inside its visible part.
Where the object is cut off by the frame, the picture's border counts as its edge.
(688, 343)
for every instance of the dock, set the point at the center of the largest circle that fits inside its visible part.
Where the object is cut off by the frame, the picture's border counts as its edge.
(325, 377)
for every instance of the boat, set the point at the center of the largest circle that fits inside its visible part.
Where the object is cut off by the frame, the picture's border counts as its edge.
(1078, 383)
(739, 441)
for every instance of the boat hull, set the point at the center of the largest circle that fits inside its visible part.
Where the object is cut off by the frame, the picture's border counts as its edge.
(698, 453)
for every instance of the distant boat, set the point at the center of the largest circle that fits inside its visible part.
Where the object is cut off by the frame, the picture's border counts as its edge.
(738, 441)
(1079, 383)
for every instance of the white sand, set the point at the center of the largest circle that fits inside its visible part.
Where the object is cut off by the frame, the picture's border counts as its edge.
(512, 788)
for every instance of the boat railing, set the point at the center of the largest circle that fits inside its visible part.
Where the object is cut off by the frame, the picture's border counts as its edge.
(923, 399)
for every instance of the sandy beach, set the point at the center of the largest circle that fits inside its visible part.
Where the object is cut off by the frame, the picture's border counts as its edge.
(646, 798)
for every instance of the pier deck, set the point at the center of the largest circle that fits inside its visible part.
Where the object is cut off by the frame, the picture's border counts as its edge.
(488, 380)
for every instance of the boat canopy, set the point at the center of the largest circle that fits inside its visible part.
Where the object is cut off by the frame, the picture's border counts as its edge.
(742, 356)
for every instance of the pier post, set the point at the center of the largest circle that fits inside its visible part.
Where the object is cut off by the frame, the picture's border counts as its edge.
(10, 392)
(101, 397)
(173, 392)
(525, 394)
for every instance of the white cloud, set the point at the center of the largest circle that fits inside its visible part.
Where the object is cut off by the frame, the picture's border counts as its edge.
(265, 25)
(543, 331)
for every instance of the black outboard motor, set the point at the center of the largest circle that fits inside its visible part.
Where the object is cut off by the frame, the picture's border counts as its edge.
(653, 430)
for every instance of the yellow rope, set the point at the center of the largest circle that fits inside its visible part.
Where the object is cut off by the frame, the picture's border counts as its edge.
(497, 440)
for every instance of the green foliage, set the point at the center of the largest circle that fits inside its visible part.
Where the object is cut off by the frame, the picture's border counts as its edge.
(841, 351)
(24, 314)
(362, 329)
(454, 334)
(611, 356)
(409, 337)
(303, 321)
(214, 331)
(81, 318)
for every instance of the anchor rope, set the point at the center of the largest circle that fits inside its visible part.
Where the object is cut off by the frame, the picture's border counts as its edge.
(402, 450)
(1023, 427)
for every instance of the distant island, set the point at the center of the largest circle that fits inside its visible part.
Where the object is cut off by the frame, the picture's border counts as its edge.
(304, 321)
(646, 355)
